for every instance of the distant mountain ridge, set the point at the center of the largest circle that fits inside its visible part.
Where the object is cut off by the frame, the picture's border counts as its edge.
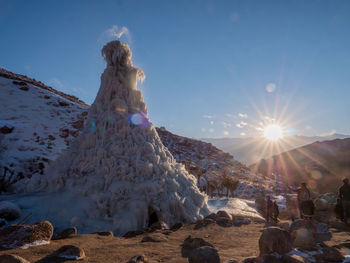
(250, 150)
(322, 165)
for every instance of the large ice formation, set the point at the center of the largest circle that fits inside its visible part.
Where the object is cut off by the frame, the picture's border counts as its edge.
(118, 169)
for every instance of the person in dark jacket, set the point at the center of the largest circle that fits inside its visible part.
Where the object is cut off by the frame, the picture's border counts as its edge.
(275, 211)
(269, 206)
(344, 195)
(338, 210)
(303, 195)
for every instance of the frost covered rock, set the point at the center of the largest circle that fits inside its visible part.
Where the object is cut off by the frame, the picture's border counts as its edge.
(118, 170)
(9, 211)
(26, 235)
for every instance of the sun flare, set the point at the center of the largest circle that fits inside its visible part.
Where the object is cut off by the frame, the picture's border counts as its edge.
(273, 132)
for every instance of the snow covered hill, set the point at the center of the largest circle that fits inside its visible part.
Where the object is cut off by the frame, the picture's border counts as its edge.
(37, 122)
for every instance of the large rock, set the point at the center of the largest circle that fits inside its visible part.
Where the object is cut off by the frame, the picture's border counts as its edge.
(303, 233)
(26, 235)
(191, 244)
(321, 204)
(275, 240)
(12, 259)
(69, 252)
(9, 211)
(204, 254)
(329, 254)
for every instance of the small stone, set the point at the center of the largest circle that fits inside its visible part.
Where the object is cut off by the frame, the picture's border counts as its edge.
(68, 232)
(138, 259)
(159, 225)
(153, 238)
(104, 233)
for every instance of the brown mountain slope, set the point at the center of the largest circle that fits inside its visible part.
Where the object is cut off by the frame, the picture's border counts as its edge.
(321, 164)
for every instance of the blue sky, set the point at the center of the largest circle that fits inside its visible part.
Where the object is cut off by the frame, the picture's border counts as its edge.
(213, 68)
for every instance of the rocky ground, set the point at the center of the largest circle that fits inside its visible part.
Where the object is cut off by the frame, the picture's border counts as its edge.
(235, 239)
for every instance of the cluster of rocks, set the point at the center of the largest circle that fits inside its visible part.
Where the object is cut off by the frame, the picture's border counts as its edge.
(222, 218)
(302, 242)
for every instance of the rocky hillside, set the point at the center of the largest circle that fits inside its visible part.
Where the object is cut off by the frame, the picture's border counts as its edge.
(37, 123)
(321, 164)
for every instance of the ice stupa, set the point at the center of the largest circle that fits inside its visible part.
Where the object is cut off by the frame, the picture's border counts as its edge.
(117, 171)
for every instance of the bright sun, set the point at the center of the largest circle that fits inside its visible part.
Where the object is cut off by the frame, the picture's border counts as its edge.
(273, 132)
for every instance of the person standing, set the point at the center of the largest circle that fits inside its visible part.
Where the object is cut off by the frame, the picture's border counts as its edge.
(269, 207)
(303, 194)
(344, 195)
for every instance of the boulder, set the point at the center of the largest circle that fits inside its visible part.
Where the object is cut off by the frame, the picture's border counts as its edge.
(204, 254)
(138, 259)
(223, 213)
(25, 235)
(275, 240)
(303, 233)
(329, 254)
(9, 211)
(321, 204)
(12, 259)
(69, 252)
(68, 232)
(303, 238)
(191, 244)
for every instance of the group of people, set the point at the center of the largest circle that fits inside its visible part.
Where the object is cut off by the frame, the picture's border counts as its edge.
(306, 206)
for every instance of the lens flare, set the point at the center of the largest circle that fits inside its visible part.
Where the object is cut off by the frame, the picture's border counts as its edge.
(273, 132)
(140, 119)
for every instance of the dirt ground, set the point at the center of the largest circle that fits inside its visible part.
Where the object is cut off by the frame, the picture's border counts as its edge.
(231, 242)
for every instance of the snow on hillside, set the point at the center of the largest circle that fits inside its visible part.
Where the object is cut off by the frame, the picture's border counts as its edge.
(36, 124)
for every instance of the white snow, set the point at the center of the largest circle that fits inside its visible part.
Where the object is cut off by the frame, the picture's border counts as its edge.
(35, 243)
(235, 206)
(117, 170)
